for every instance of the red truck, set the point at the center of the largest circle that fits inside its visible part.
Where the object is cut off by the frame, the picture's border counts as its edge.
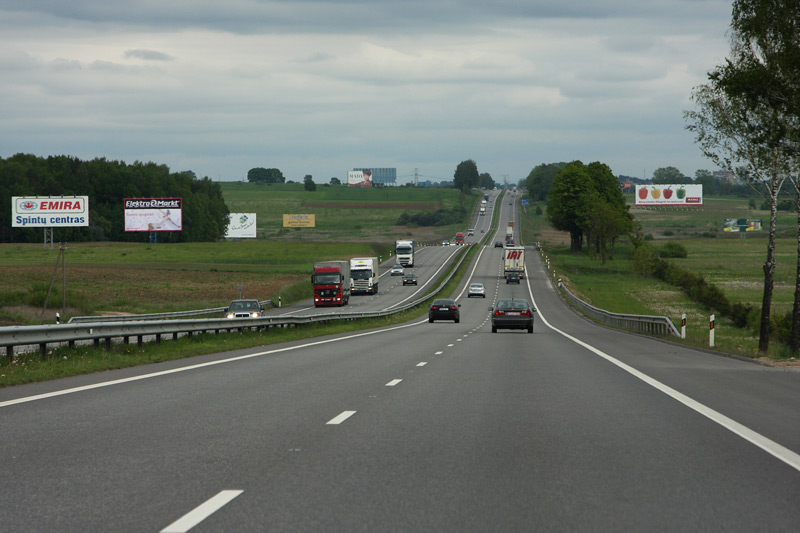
(331, 280)
(459, 238)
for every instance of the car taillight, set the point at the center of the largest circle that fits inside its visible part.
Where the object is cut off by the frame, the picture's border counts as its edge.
(499, 313)
(526, 313)
(453, 307)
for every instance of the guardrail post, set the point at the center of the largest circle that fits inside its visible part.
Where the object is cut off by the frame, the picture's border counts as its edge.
(683, 326)
(279, 302)
(43, 350)
(711, 332)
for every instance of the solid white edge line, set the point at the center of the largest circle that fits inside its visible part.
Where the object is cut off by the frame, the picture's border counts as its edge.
(773, 448)
(63, 392)
(341, 417)
(200, 513)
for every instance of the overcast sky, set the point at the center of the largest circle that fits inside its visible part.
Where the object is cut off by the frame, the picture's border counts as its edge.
(320, 87)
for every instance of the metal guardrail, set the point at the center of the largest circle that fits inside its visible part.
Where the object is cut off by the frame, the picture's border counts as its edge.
(653, 325)
(156, 316)
(103, 330)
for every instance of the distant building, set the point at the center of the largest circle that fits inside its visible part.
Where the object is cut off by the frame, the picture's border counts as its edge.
(726, 177)
(382, 176)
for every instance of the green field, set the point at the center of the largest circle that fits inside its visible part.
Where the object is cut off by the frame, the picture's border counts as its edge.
(342, 213)
(730, 261)
(115, 277)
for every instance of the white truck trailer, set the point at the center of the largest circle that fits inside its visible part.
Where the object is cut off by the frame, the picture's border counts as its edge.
(364, 275)
(404, 253)
(514, 260)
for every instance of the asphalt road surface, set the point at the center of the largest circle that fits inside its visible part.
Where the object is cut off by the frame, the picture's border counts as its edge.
(416, 427)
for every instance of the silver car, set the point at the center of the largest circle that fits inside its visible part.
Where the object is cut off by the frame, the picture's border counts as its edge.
(477, 290)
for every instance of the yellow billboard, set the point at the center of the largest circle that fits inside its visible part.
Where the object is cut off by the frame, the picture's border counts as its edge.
(299, 221)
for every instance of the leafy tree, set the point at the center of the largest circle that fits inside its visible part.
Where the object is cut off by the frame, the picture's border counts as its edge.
(486, 181)
(466, 176)
(540, 180)
(748, 120)
(308, 183)
(335, 181)
(669, 175)
(568, 197)
(265, 175)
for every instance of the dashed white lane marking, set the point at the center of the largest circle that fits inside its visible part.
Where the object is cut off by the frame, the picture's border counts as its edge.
(393, 382)
(438, 353)
(191, 519)
(422, 363)
(459, 340)
(450, 345)
(340, 418)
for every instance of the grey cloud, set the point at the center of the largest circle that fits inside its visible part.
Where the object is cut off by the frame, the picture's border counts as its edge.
(148, 55)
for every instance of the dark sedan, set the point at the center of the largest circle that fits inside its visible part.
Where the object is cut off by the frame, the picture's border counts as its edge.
(409, 278)
(512, 313)
(444, 309)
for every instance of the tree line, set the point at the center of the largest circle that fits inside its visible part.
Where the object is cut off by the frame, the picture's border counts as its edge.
(107, 184)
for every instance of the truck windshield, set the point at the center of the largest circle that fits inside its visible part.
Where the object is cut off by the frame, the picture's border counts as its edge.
(403, 250)
(360, 274)
(326, 279)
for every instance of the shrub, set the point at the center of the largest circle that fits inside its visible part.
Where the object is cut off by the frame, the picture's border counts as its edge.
(644, 260)
(648, 237)
(673, 249)
(668, 233)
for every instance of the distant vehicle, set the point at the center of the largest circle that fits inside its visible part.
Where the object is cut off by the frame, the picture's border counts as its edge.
(444, 309)
(470, 232)
(512, 313)
(404, 253)
(512, 277)
(477, 290)
(331, 280)
(514, 260)
(498, 244)
(486, 197)
(509, 233)
(244, 309)
(397, 270)
(409, 278)
(445, 243)
(482, 211)
(459, 238)
(364, 275)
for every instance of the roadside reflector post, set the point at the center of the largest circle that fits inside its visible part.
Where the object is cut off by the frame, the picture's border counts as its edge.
(711, 332)
(683, 326)
(279, 301)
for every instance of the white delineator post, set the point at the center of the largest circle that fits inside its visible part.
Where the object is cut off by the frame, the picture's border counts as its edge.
(683, 326)
(711, 332)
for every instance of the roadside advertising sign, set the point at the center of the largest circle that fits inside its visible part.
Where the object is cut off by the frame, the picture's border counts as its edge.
(742, 225)
(49, 211)
(359, 178)
(660, 195)
(153, 214)
(299, 221)
(241, 226)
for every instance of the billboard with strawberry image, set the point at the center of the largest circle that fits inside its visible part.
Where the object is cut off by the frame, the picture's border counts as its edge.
(662, 194)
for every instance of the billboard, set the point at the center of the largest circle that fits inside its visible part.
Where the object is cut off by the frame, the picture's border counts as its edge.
(742, 225)
(299, 221)
(359, 178)
(153, 214)
(49, 211)
(669, 195)
(241, 226)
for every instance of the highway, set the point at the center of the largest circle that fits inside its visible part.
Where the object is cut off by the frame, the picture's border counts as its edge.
(414, 427)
